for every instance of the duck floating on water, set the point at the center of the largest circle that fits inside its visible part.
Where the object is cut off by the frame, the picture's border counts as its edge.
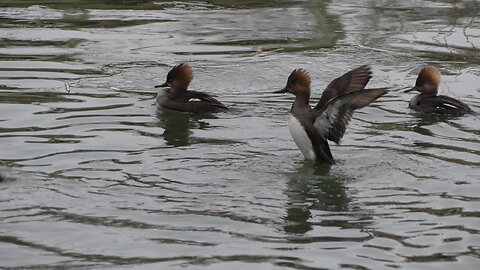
(428, 101)
(328, 120)
(176, 95)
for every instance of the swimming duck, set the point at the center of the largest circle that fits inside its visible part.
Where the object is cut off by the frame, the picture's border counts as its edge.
(311, 128)
(428, 101)
(176, 96)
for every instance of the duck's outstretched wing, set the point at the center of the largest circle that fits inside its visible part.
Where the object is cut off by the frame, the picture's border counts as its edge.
(444, 104)
(190, 96)
(333, 119)
(355, 79)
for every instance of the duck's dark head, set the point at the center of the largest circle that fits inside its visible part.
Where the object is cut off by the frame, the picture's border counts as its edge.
(298, 83)
(179, 77)
(427, 81)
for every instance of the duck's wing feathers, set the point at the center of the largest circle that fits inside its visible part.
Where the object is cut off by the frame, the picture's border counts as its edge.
(353, 80)
(190, 96)
(333, 119)
(444, 104)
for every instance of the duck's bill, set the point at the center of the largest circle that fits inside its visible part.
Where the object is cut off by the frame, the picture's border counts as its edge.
(410, 90)
(161, 85)
(283, 90)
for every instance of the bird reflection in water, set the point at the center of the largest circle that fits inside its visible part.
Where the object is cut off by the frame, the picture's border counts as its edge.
(425, 120)
(177, 126)
(313, 187)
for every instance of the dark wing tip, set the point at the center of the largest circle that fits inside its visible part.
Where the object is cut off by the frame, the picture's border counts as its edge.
(359, 78)
(354, 80)
(381, 91)
(207, 98)
(363, 68)
(367, 96)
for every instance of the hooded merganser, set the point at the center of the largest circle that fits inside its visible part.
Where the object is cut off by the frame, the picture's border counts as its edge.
(311, 128)
(177, 97)
(428, 101)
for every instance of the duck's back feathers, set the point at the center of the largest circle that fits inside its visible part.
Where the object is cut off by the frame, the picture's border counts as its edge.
(440, 104)
(332, 120)
(187, 96)
(355, 79)
(190, 101)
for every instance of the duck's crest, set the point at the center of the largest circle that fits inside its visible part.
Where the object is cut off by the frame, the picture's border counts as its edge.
(300, 76)
(429, 75)
(182, 72)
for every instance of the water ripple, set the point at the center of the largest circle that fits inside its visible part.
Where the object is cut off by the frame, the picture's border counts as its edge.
(93, 175)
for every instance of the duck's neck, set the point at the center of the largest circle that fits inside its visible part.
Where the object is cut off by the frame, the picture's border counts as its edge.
(429, 92)
(302, 99)
(180, 89)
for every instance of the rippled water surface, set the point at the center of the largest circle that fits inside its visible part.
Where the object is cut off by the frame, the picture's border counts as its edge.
(93, 176)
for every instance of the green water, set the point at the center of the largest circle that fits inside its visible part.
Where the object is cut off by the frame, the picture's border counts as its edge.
(93, 176)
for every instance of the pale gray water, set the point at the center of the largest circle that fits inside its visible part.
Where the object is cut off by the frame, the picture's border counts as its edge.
(97, 178)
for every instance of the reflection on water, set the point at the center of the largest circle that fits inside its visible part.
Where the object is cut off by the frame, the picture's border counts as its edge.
(312, 187)
(94, 176)
(177, 126)
(424, 120)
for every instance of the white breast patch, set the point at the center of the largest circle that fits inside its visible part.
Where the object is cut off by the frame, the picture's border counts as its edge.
(301, 138)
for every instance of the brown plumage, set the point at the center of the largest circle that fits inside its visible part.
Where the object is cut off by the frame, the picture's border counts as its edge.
(311, 128)
(176, 96)
(356, 79)
(428, 80)
(179, 77)
(428, 101)
(301, 77)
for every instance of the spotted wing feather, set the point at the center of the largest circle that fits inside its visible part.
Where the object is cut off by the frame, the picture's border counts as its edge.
(331, 122)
